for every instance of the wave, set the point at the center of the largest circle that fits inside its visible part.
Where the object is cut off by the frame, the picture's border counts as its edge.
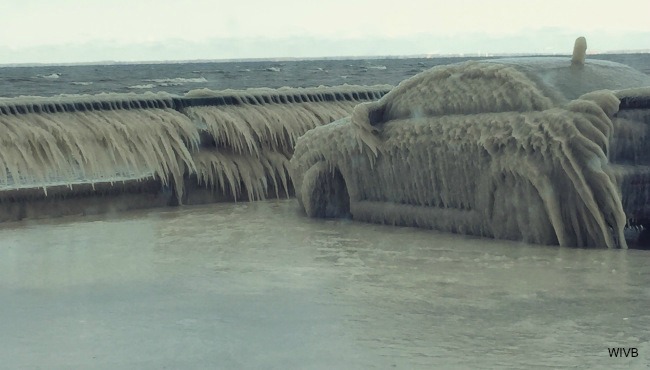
(81, 83)
(209, 71)
(177, 81)
(273, 69)
(52, 76)
(18, 79)
(141, 87)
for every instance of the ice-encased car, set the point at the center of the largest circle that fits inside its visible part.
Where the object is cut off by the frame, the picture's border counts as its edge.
(536, 149)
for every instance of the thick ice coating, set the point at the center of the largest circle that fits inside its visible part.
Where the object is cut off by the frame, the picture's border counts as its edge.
(476, 148)
(579, 51)
(238, 146)
(253, 142)
(38, 150)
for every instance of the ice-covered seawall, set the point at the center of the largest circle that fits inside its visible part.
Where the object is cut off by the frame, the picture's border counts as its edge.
(477, 148)
(236, 143)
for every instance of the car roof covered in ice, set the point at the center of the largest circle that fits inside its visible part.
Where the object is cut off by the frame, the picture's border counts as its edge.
(556, 75)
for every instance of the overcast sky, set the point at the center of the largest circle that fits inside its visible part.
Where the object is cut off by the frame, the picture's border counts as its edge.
(132, 30)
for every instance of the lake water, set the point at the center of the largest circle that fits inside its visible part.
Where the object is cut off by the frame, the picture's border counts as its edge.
(178, 78)
(260, 286)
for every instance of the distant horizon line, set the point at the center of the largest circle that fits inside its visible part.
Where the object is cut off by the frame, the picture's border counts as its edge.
(281, 59)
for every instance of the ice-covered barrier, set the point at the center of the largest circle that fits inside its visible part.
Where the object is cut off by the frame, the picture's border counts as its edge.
(234, 143)
(200, 97)
(501, 149)
(83, 103)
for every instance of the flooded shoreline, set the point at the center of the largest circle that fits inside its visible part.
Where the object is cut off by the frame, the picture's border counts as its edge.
(258, 285)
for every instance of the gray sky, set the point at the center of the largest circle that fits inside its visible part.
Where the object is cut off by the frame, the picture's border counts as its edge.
(94, 30)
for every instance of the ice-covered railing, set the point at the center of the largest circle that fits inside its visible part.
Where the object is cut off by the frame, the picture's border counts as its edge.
(83, 103)
(235, 142)
(203, 97)
(261, 96)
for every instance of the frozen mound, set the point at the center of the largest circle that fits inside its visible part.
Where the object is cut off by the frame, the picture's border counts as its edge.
(464, 89)
(475, 148)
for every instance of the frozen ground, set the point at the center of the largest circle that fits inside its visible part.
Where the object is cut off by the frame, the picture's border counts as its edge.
(259, 286)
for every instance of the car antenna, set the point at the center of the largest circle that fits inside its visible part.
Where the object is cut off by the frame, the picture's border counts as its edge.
(579, 51)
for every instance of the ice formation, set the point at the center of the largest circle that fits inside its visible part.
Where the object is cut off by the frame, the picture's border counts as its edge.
(630, 147)
(254, 135)
(579, 51)
(477, 148)
(239, 144)
(38, 149)
(236, 174)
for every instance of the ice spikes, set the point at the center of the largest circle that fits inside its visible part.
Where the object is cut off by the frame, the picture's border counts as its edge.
(111, 138)
(65, 147)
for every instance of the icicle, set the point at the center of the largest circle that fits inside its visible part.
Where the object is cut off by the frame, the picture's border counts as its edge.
(70, 147)
(242, 172)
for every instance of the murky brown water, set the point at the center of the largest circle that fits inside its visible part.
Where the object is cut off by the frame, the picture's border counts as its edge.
(259, 286)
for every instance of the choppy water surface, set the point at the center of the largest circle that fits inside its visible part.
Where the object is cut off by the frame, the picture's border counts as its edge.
(261, 286)
(178, 78)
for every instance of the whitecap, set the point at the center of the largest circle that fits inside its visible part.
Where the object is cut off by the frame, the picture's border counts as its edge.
(273, 69)
(52, 76)
(140, 87)
(81, 83)
(178, 81)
